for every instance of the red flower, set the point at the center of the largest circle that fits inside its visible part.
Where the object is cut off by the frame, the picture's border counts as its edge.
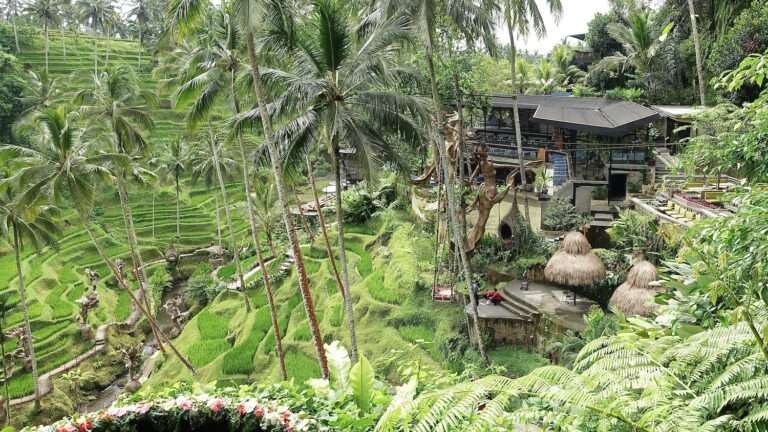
(67, 428)
(86, 425)
(259, 411)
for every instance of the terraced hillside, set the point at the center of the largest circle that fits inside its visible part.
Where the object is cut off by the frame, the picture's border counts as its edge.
(389, 261)
(55, 278)
(76, 67)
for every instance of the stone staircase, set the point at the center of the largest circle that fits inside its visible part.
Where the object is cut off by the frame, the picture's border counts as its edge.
(518, 306)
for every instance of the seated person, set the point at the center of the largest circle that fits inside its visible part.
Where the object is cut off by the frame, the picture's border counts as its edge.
(493, 296)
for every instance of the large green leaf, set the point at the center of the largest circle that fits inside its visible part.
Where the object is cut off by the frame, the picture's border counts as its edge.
(361, 380)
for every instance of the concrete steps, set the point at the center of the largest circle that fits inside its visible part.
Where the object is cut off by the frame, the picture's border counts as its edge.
(519, 306)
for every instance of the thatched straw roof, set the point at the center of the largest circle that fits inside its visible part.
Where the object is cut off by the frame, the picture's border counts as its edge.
(635, 295)
(575, 264)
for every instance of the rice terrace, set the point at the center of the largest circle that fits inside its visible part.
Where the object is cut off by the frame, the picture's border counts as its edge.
(384, 216)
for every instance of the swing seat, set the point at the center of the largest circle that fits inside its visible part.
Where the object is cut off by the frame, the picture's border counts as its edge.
(442, 293)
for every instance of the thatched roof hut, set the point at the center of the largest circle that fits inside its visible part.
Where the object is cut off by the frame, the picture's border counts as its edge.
(635, 295)
(575, 264)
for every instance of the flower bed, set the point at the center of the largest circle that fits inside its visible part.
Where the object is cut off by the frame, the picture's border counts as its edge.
(188, 413)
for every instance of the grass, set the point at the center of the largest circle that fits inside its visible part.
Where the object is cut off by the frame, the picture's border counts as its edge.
(300, 366)
(379, 290)
(212, 325)
(517, 361)
(205, 351)
(239, 360)
(416, 333)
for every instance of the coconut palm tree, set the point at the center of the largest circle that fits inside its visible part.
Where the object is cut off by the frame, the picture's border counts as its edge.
(174, 160)
(266, 209)
(117, 111)
(100, 16)
(472, 18)
(12, 13)
(207, 161)
(141, 13)
(547, 78)
(31, 222)
(5, 307)
(45, 12)
(57, 164)
(337, 91)
(523, 17)
(641, 39)
(253, 16)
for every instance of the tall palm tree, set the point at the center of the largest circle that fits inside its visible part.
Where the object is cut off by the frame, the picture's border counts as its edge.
(141, 13)
(100, 15)
(253, 15)
(338, 92)
(523, 17)
(547, 77)
(173, 160)
(57, 165)
(208, 159)
(32, 222)
(641, 40)
(699, 58)
(117, 111)
(12, 12)
(5, 307)
(45, 12)
(473, 18)
(266, 209)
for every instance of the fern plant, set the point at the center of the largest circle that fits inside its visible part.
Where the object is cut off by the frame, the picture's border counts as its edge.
(641, 380)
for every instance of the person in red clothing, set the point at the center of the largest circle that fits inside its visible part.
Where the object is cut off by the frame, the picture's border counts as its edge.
(493, 296)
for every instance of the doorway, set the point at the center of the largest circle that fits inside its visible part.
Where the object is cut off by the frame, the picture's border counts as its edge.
(617, 187)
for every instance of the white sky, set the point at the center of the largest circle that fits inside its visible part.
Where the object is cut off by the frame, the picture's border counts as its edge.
(576, 15)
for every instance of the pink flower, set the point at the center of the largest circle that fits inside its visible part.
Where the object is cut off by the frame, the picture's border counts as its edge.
(184, 404)
(247, 407)
(116, 412)
(216, 405)
(259, 411)
(142, 408)
(67, 428)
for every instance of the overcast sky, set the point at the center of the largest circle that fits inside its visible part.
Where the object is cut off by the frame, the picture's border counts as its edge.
(576, 15)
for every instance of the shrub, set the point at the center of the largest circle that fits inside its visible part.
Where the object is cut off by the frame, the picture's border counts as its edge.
(561, 215)
(358, 205)
(201, 288)
(634, 232)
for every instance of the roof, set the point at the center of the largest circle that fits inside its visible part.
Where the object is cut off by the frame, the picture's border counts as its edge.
(589, 114)
(677, 111)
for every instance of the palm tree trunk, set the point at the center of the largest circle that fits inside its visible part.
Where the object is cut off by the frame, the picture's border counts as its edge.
(123, 285)
(153, 213)
(95, 54)
(25, 309)
(45, 29)
(133, 246)
(699, 59)
(348, 306)
(271, 243)
(178, 208)
(130, 231)
(306, 293)
(141, 45)
(516, 110)
(106, 60)
(260, 258)
(15, 33)
(324, 229)
(218, 219)
(7, 401)
(63, 41)
(235, 246)
(452, 209)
